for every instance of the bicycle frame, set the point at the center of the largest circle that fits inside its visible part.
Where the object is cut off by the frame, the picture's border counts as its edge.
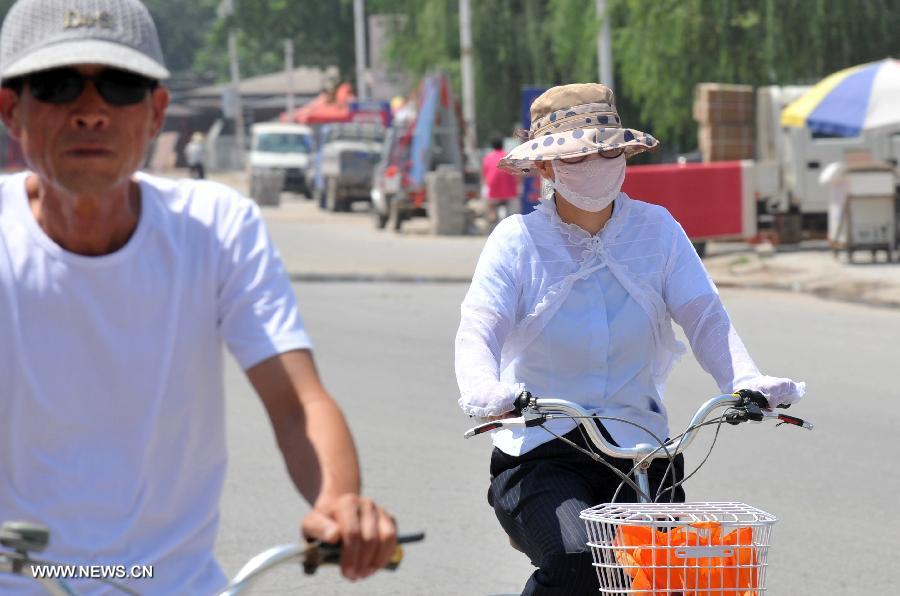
(310, 555)
(22, 565)
(261, 563)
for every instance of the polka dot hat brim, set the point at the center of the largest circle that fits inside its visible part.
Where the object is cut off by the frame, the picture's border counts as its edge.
(575, 143)
(576, 131)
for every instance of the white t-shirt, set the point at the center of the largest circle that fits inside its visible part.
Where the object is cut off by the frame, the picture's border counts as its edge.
(111, 377)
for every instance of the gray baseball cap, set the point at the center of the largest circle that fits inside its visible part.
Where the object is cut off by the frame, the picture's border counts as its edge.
(43, 34)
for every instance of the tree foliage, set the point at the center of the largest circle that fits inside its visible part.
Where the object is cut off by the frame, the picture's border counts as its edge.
(322, 32)
(515, 43)
(182, 28)
(662, 48)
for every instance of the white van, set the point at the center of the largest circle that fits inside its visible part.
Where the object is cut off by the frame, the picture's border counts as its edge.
(278, 147)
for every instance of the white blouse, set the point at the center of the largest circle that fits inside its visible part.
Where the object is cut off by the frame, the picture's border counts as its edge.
(586, 318)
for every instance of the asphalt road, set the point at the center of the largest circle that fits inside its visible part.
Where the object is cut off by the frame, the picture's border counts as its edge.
(385, 351)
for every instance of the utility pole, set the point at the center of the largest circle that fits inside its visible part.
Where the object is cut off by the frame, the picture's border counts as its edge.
(226, 9)
(604, 45)
(468, 78)
(359, 31)
(289, 72)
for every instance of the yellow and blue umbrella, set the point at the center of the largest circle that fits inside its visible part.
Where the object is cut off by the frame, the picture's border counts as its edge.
(844, 104)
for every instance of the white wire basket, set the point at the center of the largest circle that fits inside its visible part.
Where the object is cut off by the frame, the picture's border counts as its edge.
(689, 549)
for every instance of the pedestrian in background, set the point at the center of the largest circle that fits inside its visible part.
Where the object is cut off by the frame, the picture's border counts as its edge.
(194, 154)
(498, 188)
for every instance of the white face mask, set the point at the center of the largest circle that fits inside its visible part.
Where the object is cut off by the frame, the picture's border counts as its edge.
(592, 184)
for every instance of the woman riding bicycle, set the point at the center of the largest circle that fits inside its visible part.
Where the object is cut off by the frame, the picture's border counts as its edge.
(575, 301)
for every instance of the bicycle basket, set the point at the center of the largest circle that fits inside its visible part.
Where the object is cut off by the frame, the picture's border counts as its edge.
(690, 549)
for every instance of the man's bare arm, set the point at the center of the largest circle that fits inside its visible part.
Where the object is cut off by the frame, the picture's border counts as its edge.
(321, 459)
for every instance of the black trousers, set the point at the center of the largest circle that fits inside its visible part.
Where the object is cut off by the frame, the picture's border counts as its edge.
(539, 495)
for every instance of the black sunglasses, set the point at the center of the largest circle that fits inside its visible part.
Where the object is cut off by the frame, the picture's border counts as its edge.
(610, 154)
(65, 85)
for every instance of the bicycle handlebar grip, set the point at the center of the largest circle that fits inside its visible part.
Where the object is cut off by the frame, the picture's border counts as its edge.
(24, 536)
(758, 398)
(522, 401)
(326, 553)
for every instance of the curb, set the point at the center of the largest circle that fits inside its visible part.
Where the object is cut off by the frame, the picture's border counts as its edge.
(825, 292)
(377, 278)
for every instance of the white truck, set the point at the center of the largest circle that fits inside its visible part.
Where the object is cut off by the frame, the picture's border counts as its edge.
(347, 158)
(790, 160)
(778, 194)
(279, 151)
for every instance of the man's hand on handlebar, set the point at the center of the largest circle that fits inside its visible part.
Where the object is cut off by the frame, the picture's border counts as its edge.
(367, 533)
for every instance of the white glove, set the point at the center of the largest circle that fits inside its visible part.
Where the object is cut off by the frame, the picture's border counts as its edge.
(490, 399)
(775, 389)
(721, 352)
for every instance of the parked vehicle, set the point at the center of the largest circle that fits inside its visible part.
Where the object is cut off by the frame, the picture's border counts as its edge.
(779, 194)
(347, 156)
(278, 147)
(387, 180)
(429, 142)
(791, 159)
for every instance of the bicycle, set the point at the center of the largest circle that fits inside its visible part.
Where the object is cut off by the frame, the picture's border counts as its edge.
(657, 548)
(24, 538)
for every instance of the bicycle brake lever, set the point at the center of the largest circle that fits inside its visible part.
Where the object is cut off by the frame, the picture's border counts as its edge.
(736, 417)
(533, 418)
(794, 421)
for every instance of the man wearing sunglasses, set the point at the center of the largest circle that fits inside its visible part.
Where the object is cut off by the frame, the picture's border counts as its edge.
(117, 291)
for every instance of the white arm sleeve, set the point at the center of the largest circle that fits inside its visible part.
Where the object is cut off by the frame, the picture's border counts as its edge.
(694, 304)
(488, 315)
(721, 353)
(715, 343)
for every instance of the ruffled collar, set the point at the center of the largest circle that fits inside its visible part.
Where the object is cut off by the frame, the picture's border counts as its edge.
(578, 235)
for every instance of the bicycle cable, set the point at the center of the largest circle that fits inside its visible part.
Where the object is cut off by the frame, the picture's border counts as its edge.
(662, 446)
(599, 459)
(625, 478)
(719, 422)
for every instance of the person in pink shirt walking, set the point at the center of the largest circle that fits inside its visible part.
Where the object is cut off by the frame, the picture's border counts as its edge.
(498, 188)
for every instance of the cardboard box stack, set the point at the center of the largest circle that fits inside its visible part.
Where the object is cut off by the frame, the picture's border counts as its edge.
(725, 115)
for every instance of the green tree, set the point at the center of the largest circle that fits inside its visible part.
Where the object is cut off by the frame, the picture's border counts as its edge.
(182, 28)
(663, 48)
(322, 32)
(515, 43)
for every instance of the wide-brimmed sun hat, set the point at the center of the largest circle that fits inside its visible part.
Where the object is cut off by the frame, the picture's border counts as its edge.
(572, 121)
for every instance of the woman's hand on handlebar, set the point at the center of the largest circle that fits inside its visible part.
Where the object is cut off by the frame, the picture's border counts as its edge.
(777, 391)
(367, 533)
